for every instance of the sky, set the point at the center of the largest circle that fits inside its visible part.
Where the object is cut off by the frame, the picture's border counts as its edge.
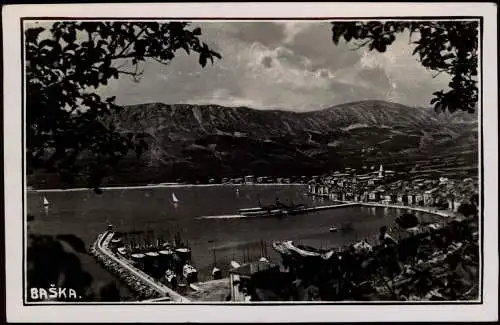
(282, 65)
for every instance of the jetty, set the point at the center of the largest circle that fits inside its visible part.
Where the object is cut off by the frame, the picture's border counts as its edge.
(302, 211)
(332, 206)
(131, 273)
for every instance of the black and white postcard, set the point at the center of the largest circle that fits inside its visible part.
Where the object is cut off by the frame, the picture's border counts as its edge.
(251, 162)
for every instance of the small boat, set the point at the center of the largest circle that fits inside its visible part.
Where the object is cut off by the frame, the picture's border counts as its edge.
(122, 250)
(334, 229)
(45, 202)
(152, 254)
(263, 259)
(235, 264)
(166, 252)
(216, 273)
(174, 198)
(116, 240)
(137, 256)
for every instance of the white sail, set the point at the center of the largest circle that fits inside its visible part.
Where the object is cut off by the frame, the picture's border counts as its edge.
(45, 201)
(174, 198)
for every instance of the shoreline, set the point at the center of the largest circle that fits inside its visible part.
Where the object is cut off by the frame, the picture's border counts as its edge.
(441, 213)
(166, 185)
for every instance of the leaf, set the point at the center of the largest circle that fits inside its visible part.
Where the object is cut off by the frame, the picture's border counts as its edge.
(32, 34)
(202, 60)
(70, 36)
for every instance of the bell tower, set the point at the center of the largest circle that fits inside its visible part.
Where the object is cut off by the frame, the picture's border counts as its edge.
(381, 171)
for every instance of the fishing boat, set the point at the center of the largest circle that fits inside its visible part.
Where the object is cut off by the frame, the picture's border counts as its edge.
(45, 202)
(166, 252)
(122, 251)
(137, 256)
(334, 229)
(174, 198)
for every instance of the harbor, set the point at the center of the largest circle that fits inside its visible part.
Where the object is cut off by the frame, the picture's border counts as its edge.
(190, 259)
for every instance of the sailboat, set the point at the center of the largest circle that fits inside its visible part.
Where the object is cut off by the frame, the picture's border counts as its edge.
(174, 198)
(216, 272)
(45, 202)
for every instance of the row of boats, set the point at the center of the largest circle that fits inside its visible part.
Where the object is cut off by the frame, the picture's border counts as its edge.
(159, 259)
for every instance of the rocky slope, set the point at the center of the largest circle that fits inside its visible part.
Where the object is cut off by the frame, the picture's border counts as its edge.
(201, 141)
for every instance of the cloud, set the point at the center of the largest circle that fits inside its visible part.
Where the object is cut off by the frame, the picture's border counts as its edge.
(286, 65)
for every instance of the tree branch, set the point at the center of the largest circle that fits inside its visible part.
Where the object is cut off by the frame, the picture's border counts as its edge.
(360, 45)
(136, 37)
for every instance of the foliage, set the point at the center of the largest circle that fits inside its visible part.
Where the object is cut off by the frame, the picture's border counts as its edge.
(441, 46)
(69, 126)
(467, 209)
(49, 263)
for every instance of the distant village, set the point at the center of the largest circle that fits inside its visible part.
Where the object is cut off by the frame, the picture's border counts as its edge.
(383, 186)
(380, 186)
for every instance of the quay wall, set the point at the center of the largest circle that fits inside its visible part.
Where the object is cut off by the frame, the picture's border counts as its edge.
(442, 213)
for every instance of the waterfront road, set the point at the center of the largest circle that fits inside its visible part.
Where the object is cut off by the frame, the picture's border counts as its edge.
(102, 245)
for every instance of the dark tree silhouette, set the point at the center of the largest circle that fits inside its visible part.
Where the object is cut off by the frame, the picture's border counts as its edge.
(70, 130)
(467, 209)
(442, 46)
(109, 292)
(69, 126)
(49, 263)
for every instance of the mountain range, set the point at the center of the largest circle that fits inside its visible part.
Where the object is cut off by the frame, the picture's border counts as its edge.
(196, 142)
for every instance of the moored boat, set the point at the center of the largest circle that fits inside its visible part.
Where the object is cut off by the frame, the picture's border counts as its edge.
(234, 264)
(137, 256)
(122, 250)
(216, 273)
(151, 254)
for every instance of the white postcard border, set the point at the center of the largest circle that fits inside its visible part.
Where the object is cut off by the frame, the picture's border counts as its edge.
(16, 312)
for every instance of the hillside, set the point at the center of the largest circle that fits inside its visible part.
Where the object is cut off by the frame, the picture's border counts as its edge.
(195, 142)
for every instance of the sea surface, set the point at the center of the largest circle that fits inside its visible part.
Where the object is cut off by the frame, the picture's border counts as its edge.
(206, 217)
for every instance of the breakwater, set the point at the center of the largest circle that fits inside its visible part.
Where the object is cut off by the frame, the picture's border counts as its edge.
(139, 282)
(304, 211)
(134, 283)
